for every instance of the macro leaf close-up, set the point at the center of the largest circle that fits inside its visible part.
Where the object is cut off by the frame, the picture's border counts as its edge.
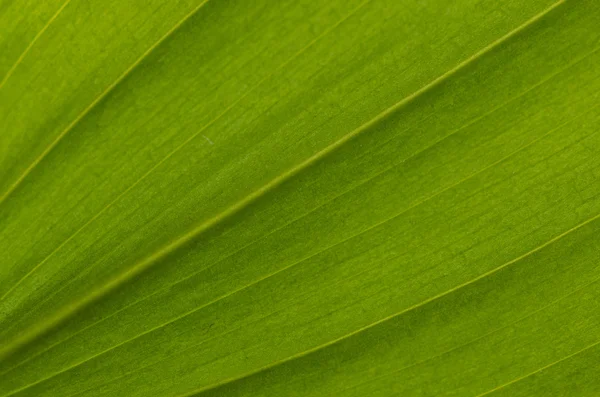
(305, 198)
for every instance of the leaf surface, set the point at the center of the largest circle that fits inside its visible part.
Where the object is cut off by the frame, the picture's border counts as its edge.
(300, 198)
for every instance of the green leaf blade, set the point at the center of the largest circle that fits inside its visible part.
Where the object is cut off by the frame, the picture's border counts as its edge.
(309, 242)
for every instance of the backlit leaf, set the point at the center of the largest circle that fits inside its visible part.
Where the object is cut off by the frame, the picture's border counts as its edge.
(299, 198)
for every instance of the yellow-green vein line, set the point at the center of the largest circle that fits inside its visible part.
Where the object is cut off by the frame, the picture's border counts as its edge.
(487, 393)
(521, 149)
(199, 133)
(174, 245)
(91, 106)
(30, 46)
(385, 319)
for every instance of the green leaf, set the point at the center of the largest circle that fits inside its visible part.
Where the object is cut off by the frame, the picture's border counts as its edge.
(299, 198)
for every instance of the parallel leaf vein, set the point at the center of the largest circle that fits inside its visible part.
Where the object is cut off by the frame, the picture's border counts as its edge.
(543, 136)
(30, 46)
(142, 265)
(341, 242)
(395, 315)
(95, 102)
(570, 356)
(231, 210)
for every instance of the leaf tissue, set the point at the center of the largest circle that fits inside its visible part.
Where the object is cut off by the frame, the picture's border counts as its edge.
(299, 198)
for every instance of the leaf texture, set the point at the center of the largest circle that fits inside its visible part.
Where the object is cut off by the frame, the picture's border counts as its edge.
(299, 198)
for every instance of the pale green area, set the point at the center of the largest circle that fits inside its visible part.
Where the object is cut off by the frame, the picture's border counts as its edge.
(301, 198)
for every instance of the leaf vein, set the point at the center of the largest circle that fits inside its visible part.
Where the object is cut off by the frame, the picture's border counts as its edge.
(330, 247)
(570, 356)
(181, 241)
(395, 315)
(199, 133)
(30, 46)
(95, 102)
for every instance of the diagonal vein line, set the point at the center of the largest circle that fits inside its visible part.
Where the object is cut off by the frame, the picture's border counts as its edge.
(487, 393)
(232, 210)
(395, 315)
(502, 105)
(98, 99)
(183, 144)
(184, 239)
(70, 127)
(399, 370)
(30, 46)
(210, 339)
(268, 276)
(473, 341)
